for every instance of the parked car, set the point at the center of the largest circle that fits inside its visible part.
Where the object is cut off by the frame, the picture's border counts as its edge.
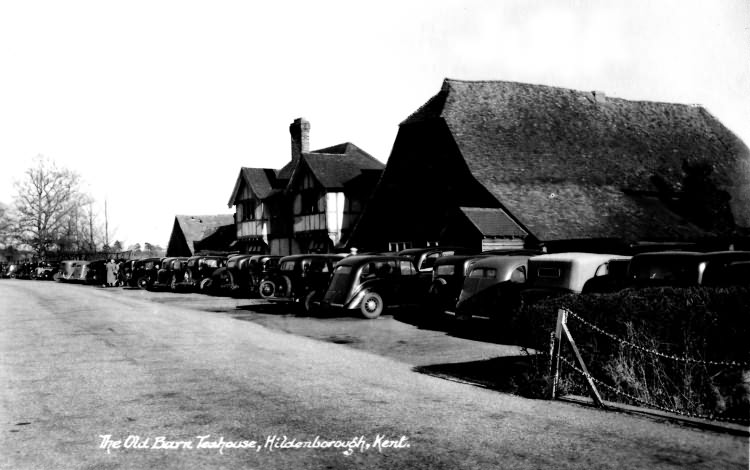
(683, 269)
(492, 287)
(11, 271)
(424, 258)
(25, 270)
(222, 279)
(45, 271)
(573, 272)
(448, 275)
(300, 279)
(170, 273)
(257, 268)
(372, 283)
(198, 271)
(65, 272)
(126, 272)
(96, 272)
(144, 272)
(80, 268)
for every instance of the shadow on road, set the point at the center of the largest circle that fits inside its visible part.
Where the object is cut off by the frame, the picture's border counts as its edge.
(510, 374)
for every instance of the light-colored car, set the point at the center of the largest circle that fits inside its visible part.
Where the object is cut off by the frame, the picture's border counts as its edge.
(576, 272)
(492, 286)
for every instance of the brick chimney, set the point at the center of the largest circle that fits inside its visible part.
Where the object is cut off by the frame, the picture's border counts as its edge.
(300, 130)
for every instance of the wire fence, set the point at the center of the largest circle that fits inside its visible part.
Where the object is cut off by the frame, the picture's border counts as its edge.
(673, 383)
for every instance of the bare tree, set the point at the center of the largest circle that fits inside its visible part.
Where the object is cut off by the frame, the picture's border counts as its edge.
(6, 226)
(46, 199)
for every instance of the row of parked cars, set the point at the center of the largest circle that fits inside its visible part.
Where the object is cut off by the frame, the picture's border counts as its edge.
(435, 281)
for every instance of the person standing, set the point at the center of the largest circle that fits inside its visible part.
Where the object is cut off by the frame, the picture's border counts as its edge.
(111, 273)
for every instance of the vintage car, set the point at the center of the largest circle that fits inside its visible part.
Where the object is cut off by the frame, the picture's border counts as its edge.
(243, 274)
(683, 269)
(448, 275)
(424, 258)
(257, 268)
(66, 270)
(45, 271)
(144, 272)
(372, 283)
(492, 287)
(126, 272)
(222, 279)
(573, 272)
(300, 279)
(96, 273)
(170, 273)
(198, 271)
(80, 268)
(11, 271)
(25, 270)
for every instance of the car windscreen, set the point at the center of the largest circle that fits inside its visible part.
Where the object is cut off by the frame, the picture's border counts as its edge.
(210, 263)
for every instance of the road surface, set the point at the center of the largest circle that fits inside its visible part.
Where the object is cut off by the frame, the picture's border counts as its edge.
(95, 379)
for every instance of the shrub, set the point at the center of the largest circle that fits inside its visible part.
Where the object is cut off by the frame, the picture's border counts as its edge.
(706, 324)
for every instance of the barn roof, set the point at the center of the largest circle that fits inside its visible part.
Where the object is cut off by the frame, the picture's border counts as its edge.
(197, 227)
(571, 163)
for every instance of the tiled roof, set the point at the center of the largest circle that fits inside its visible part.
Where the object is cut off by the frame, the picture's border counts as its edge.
(335, 166)
(525, 142)
(262, 182)
(198, 227)
(492, 222)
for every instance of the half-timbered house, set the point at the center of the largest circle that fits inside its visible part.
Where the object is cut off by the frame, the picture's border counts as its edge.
(310, 205)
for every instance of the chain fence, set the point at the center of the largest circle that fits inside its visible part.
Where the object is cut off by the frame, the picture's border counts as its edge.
(742, 367)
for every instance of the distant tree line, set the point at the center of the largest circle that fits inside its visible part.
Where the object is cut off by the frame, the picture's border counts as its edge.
(51, 213)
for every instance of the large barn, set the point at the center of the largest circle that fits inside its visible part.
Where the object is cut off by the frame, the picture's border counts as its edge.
(493, 164)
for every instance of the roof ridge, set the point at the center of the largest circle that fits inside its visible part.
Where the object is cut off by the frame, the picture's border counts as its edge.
(447, 81)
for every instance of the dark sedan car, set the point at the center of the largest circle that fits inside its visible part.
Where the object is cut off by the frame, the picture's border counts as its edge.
(300, 279)
(424, 258)
(243, 274)
(682, 269)
(198, 272)
(144, 272)
(170, 273)
(372, 283)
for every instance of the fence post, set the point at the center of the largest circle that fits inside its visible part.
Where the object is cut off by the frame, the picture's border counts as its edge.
(562, 316)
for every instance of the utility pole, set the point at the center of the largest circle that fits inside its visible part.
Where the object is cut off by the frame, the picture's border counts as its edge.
(92, 247)
(106, 225)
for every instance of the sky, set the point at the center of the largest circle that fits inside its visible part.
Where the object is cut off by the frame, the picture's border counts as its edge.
(157, 104)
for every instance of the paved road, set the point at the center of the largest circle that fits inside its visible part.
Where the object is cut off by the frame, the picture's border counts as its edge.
(77, 363)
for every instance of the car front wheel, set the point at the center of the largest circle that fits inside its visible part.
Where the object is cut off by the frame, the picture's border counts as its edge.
(371, 306)
(143, 283)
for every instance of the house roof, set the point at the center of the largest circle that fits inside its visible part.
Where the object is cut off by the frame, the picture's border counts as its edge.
(263, 182)
(567, 163)
(492, 222)
(197, 227)
(335, 166)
